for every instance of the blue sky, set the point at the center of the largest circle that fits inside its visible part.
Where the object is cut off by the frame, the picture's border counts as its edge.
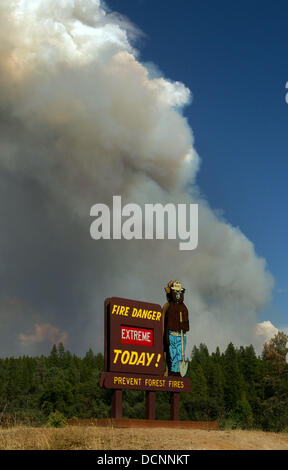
(233, 57)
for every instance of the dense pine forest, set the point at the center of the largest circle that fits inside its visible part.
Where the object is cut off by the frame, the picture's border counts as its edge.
(235, 387)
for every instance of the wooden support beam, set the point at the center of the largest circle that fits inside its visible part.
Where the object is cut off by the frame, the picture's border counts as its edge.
(174, 409)
(150, 405)
(117, 404)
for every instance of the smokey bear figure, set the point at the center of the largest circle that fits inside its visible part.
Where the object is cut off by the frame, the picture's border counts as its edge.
(176, 325)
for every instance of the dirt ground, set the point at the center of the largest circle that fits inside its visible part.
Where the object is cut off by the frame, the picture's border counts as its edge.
(99, 438)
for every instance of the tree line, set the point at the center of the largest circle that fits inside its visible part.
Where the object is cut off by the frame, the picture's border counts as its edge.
(236, 387)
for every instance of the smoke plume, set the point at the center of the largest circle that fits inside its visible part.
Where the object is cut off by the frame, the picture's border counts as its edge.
(82, 120)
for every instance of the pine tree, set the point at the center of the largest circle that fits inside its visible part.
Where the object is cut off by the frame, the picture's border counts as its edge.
(61, 352)
(275, 405)
(234, 382)
(198, 383)
(53, 357)
(216, 386)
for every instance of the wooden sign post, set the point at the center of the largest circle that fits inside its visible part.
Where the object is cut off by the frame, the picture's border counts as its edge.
(133, 355)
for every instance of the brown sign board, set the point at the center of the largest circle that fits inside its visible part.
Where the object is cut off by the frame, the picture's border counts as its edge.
(145, 382)
(133, 337)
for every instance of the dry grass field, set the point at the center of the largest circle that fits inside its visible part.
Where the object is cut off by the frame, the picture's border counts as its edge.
(111, 438)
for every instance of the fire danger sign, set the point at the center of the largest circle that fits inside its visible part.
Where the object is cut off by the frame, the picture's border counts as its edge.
(133, 337)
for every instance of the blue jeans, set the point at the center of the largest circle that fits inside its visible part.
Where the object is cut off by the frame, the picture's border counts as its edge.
(175, 349)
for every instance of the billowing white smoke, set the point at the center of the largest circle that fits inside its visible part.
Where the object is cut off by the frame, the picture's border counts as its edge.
(81, 121)
(70, 74)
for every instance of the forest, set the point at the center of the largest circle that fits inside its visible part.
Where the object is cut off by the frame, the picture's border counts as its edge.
(236, 387)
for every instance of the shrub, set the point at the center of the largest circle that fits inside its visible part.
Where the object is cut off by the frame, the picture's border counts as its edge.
(57, 420)
(242, 415)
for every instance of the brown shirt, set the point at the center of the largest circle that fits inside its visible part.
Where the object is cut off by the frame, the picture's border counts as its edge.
(172, 320)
